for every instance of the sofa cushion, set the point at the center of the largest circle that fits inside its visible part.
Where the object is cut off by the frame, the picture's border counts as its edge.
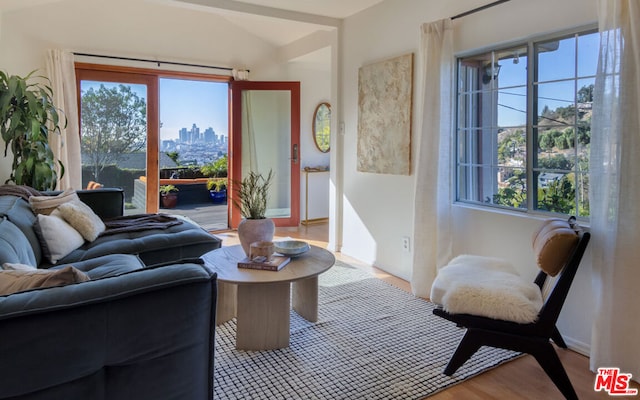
(153, 246)
(18, 211)
(14, 246)
(82, 218)
(13, 281)
(57, 237)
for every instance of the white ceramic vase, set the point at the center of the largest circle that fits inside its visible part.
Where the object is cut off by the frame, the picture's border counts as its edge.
(255, 230)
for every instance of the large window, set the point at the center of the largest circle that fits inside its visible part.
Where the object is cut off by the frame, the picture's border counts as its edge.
(523, 125)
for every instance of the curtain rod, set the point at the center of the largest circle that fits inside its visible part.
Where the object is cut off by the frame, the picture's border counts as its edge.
(475, 10)
(155, 61)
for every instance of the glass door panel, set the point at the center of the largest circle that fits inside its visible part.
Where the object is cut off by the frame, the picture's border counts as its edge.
(194, 125)
(266, 116)
(265, 133)
(113, 130)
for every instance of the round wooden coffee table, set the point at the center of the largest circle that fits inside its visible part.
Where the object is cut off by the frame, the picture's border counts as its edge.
(261, 300)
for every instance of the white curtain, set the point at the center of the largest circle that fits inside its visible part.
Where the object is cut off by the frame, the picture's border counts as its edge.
(65, 147)
(432, 226)
(615, 189)
(249, 153)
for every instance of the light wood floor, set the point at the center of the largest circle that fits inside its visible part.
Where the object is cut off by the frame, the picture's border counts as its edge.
(521, 379)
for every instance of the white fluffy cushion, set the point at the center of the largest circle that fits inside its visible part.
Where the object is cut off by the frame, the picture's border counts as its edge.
(82, 218)
(486, 287)
(465, 265)
(57, 237)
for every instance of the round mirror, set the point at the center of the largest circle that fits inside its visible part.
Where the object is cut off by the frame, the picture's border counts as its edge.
(322, 127)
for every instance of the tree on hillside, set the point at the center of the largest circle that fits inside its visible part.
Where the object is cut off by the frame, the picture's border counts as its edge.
(174, 155)
(114, 122)
(585, 94)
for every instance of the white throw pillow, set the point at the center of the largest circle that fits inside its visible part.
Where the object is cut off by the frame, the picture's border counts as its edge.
(82, 218)
(57, 237)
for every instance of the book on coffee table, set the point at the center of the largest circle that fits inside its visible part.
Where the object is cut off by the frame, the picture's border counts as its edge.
(276, 263)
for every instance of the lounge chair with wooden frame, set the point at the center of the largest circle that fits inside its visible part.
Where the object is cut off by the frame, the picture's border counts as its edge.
(531, 337)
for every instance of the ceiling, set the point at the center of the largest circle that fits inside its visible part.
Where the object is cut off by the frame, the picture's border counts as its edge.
(278, 22)
(329, 8)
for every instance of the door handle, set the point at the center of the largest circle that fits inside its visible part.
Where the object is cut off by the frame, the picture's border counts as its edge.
(295, 153)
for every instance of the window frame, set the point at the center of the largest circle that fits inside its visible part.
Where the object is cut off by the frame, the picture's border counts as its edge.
(471, 179)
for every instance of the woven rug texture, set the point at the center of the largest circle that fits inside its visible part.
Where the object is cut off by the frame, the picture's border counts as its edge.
(371, 341)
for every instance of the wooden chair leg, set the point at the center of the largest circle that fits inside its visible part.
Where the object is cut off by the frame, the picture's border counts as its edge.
(550, 363)
(466, 348)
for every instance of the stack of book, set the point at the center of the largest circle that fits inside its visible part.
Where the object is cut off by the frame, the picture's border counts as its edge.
(275, 264)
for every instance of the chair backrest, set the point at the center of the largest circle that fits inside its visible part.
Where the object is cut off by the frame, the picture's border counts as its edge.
(553, 305)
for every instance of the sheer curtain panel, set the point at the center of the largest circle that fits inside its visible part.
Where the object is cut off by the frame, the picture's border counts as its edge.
(66, 146)
(432, 209)
(615, 189)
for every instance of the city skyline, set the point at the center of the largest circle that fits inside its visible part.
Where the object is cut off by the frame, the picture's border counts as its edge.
(202, 134)
(187, 102)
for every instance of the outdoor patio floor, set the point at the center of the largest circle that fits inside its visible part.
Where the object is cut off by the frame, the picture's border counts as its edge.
(210, 216)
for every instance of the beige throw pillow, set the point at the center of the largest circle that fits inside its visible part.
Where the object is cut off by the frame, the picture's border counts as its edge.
(57, 237)
(12, 281)
(46, 204)
(82, 218)
(553, 244)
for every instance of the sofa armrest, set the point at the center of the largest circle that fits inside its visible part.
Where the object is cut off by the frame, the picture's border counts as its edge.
(105, 202)
(103, 290)
(154, 322)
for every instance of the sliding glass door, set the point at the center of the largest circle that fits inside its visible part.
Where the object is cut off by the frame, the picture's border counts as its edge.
(143, 130)
(119, 133)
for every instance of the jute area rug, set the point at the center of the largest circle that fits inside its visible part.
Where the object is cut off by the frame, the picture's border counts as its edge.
(371, 341)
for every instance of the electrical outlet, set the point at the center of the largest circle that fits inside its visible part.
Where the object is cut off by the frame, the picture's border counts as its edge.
(406, 244)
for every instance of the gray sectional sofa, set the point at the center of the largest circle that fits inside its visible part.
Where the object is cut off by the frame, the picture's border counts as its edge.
(142, 327)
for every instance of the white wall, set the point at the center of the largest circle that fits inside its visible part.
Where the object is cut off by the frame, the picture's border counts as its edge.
(378, 209)
(151, 30)
(314, 73)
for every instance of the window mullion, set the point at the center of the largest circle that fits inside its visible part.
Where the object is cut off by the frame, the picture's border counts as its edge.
(531, 138)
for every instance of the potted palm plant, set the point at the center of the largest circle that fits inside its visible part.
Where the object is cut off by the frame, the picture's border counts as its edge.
(217, 188)
(169, 196)
(27, 117)
(251, 195)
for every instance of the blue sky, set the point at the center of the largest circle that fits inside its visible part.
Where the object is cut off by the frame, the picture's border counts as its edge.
(553, 66)
(184, 103)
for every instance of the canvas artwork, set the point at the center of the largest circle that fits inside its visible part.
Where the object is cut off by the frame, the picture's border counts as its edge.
(385, 92)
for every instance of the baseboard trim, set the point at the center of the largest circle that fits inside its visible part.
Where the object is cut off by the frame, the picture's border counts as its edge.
(578, 346)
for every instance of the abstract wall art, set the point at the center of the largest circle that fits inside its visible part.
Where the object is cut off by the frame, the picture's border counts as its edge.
(385, 94)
